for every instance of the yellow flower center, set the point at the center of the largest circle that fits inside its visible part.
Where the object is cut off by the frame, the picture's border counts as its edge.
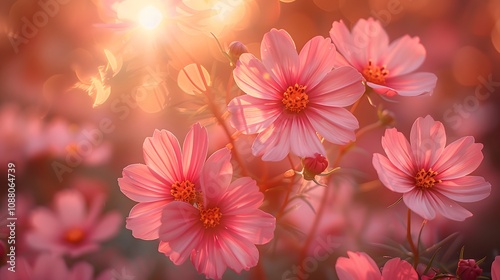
(295, 98)
(425, 179)
(210, 217)
(74, 235)
(183, 191)
(375, 74)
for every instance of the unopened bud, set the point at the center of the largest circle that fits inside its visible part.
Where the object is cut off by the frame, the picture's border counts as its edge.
(314, 166)
(387, 118)
(236, 49)
(468, 270)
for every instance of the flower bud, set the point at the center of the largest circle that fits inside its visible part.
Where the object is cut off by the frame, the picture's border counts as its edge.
(387, 118)
(468, 270)
(236, 49)
(314, 166)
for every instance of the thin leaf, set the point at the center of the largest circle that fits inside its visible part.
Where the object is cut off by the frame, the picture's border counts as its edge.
(429, 265)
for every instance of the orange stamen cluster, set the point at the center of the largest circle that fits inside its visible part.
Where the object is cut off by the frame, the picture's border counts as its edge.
(183, 191)
(74, 235)
(295, 98)
(425, 179)
(210, 217)
(375, 74)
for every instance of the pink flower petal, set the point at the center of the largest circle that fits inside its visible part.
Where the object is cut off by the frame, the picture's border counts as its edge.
(340, 88)
(495, 269)
(273, 144)
(369, 36)
(216, 176)
(459, 159)
(398, 151)
(195, 150)
(182, 229)
(404, 55)
(305, 141)
(81, 249)
(279, 55)
(254, 79)
(337, 125)
(427, 203)
(382, 90)
(428, 139)
(42, 242)
(412, 84)
(397, 269)
(237, 253)
(50, 267)
(162, 154)
(343, 41)
(393, 178)
(209, 259)
(81, 271)
(465, 189)
(45, 222)
(251, 115)
(255, 226)
(107, 227)
(358, 265)
(70, 207)
(317, 58)
(140, 184)
(145, 219)
(242, 196)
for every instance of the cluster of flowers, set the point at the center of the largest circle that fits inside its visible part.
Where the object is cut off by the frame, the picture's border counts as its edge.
(56, 138)
(295, 102)
(359, 265)
(75, 227)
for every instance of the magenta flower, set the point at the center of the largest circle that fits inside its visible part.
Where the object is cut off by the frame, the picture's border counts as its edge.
(221, 229)
(359, 265)
(71, 228)
(431, 175)
(291, 97)
(387, 68)
(168, 175)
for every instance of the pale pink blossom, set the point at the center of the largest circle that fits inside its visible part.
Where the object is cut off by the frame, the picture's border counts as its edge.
(432, 176)
(291, 97)
(169, 174)
(359, 265)
(387, 68)
(495, 269)
(221, 229)
(71, 228)
(53, 267)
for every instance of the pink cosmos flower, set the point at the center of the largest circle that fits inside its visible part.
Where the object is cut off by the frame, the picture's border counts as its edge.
(359, 265)
(431, 175)
(387, 68)
(495, 269)
(221, 229)
(291, 97)
(52, 267)
(71, 228)
(168, 175)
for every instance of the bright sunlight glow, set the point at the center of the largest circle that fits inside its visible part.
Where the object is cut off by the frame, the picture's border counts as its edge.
(150, 17)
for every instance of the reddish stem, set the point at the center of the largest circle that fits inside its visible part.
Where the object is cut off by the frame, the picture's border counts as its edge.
(414, 249)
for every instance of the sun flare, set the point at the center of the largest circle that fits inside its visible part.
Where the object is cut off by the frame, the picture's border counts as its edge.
(150, 17)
